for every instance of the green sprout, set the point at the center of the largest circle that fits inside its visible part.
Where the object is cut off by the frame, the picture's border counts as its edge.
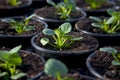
(64, 8)
(110, 25)
(114, 53)
(20, 26)
(56, 69)
(13, 2)
(9, 60)
(60, 36)
(94, 4)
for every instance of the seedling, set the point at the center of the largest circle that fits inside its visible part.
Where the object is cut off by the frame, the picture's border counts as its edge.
(9, 60)
(13, 2)
(60, 36)
(110, 25)
(56, 69)
(63, 8)
(114, 53)
(94, 4)
(20, 26)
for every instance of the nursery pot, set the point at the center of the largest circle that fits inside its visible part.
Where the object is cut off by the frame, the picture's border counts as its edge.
(55, 22)
(10, 38)
(84, 25)
(74, 57)
(96, 12)
(21, 9)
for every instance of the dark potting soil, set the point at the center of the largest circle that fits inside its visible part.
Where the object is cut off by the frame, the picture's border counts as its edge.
(50, 13)
(84, 5)
(4, 5)
(5, 28)
(101, 62)
(86, 43)
(75, 76)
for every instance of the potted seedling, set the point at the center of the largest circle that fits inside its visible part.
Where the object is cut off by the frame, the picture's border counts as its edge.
(106, 29)
(14, 64)
(14, 7)
(95, 7)
(65, 11)
(110, 63)
(56, 70)
(19, 30)
(63, 44)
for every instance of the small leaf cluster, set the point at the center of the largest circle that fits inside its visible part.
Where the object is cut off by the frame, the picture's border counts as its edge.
(60, 36)
(13, 2)
(64, 8)
(9, 60)
(109, 25)
(56, 69)
(94, 4)
(114, 53)
(19, 26)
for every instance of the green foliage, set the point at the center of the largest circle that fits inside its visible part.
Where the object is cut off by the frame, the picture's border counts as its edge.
(57, 69)
(9, 60)
(64, 8)
(60, 36)
(114, 53)
(110, 25)
(14, 2)
(20, 26)
(94, 4)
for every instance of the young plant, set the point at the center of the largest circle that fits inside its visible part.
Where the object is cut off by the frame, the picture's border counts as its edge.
(13, 2)
(64, 8)
(114, 53)
(20, 26)
(60, 36)
(110, 25)
(94, 4)
(9, 60)
(56, 69)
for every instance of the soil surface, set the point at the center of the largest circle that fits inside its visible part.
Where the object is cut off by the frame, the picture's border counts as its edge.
(86, 43)
(102, 63)
(4, 5)
(5, 28)
(49, 13)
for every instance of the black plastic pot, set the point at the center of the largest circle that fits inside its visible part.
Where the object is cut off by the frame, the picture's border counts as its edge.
(54, 23)
(104, 39)
(91, 69)
(14, 40)
(73, 59)
(16, 11)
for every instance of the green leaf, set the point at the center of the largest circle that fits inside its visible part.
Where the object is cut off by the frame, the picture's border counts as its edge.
(110, 20)
(8, 20)
(4, 55)
(15, 49)
(49, 32)
(110, 11)
(76, 39)
(53, 67)
(95, 18)
(51, 2)
(115, 62)
(65, 27)
(67, 78)
(44, 41)
(3, 74)
(109, 50)
(18, 76)
(29, 28)
(15, 59)
(97, 25)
